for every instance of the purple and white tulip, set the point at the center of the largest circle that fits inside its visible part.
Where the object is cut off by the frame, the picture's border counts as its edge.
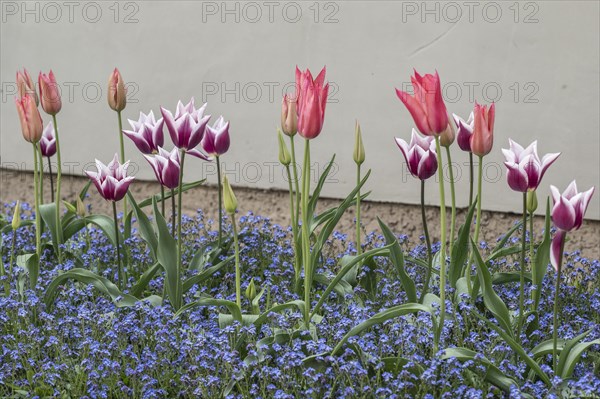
(525, 169)
(567, 215)
(48, 141)
(111, 180)
(147, 133)
(216, 138)
(464, 131)
(166, 166)
(420, 155)
(187, 126)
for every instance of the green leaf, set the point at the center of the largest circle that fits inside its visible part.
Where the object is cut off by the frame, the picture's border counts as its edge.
(531, 363)
(100, 283)
(396, 363)
(234, 309)
(73, 227)
(546, 348)
(342, 288)
(397, 258)
(493, 375)
(507, 236)
(491, 300)
(145, 227)
(277, 309)
(460, 249)
(227, 319)
(166, 253)
(350, 262)
(144, 280)
(107, 225)
(205, 274)
(31, 263)
(312, 203)
(541, 259)
(503, 252)
(565, 360)
(204, 256)
(48, 214)
(369, 280)
(500, 278)
(573, 357)
(184, 188)
(380, 318)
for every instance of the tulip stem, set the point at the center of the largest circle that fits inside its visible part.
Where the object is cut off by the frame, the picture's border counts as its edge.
(220, 190)
(177, 300)
(306, 233)
(477, 224)
(453, 199)
(120, 265)
(358, 245)
(122, 146)
(534, 288)
(238, 276)
(41, 161)
(556, 308)
(57, 197)
(427, 241)
(294, 224)
(36, 192)
(522, 271)
(296, 182)
(173, 222)
(471, 172)
(438, 333)
(162, 200)
(51, 181)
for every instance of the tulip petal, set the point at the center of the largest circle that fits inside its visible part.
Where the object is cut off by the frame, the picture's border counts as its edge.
(555, 248)
(564, 214)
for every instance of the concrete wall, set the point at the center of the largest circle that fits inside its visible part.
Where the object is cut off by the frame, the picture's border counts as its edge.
(539, 60)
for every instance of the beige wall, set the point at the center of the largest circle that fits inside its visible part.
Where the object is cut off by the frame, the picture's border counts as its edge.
(538, 60)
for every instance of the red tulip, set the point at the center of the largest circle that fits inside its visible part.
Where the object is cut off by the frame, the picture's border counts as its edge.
(49, 93)
(31, 120)
(311, 104)
(25, 85)
(482, 139)
(117, 94)
(427, 105)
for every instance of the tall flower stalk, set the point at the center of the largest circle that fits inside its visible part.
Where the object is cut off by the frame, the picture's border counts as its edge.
(117, 100)
(230, 203)
(359, 158)
(438, 333)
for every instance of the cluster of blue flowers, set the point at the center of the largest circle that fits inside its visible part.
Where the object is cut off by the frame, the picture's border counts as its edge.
(87, 347)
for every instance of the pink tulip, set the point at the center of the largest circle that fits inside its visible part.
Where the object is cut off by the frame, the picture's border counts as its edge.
(30, 118)
(420, 155)
(482, 138)
(311, 104)
(146, 133)
(289, 115)
(49, 93)
(187, 126)
(427, 105)
(117, 94)
(465, 130)
(567, 214)
(48, 141)
(525, 170)
(216, 138)
(111, 180)
(166, 167)
(25, 85)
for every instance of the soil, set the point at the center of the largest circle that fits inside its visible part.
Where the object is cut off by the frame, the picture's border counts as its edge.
(403, 219)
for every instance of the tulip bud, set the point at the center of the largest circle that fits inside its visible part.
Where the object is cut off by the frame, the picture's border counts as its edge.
(16, 220)
(359, 148)
(251, 290)
(80, 208)
(532, 202)
(447, 136)
(30, 118)
(49, 93)
(289, 116)
(229, 199)
(117, 94)
(25, 85)
(284, 155)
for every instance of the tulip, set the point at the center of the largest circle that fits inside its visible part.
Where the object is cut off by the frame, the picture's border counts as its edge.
(117, 93)
(49, 93)
(525, 170)
(359, 158)
(25, 85)
(311, 105)
(567, 215)
(482, 139)
(187, 126)
(48, 141)
(359, 148)
(420, 155)
(146, 133)
(426, 106)
(111, 180)
(289, 116)
(447, 137)
(216, 138)
(166, 167)
(465, 130)
(30, 118)
(284, 155)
